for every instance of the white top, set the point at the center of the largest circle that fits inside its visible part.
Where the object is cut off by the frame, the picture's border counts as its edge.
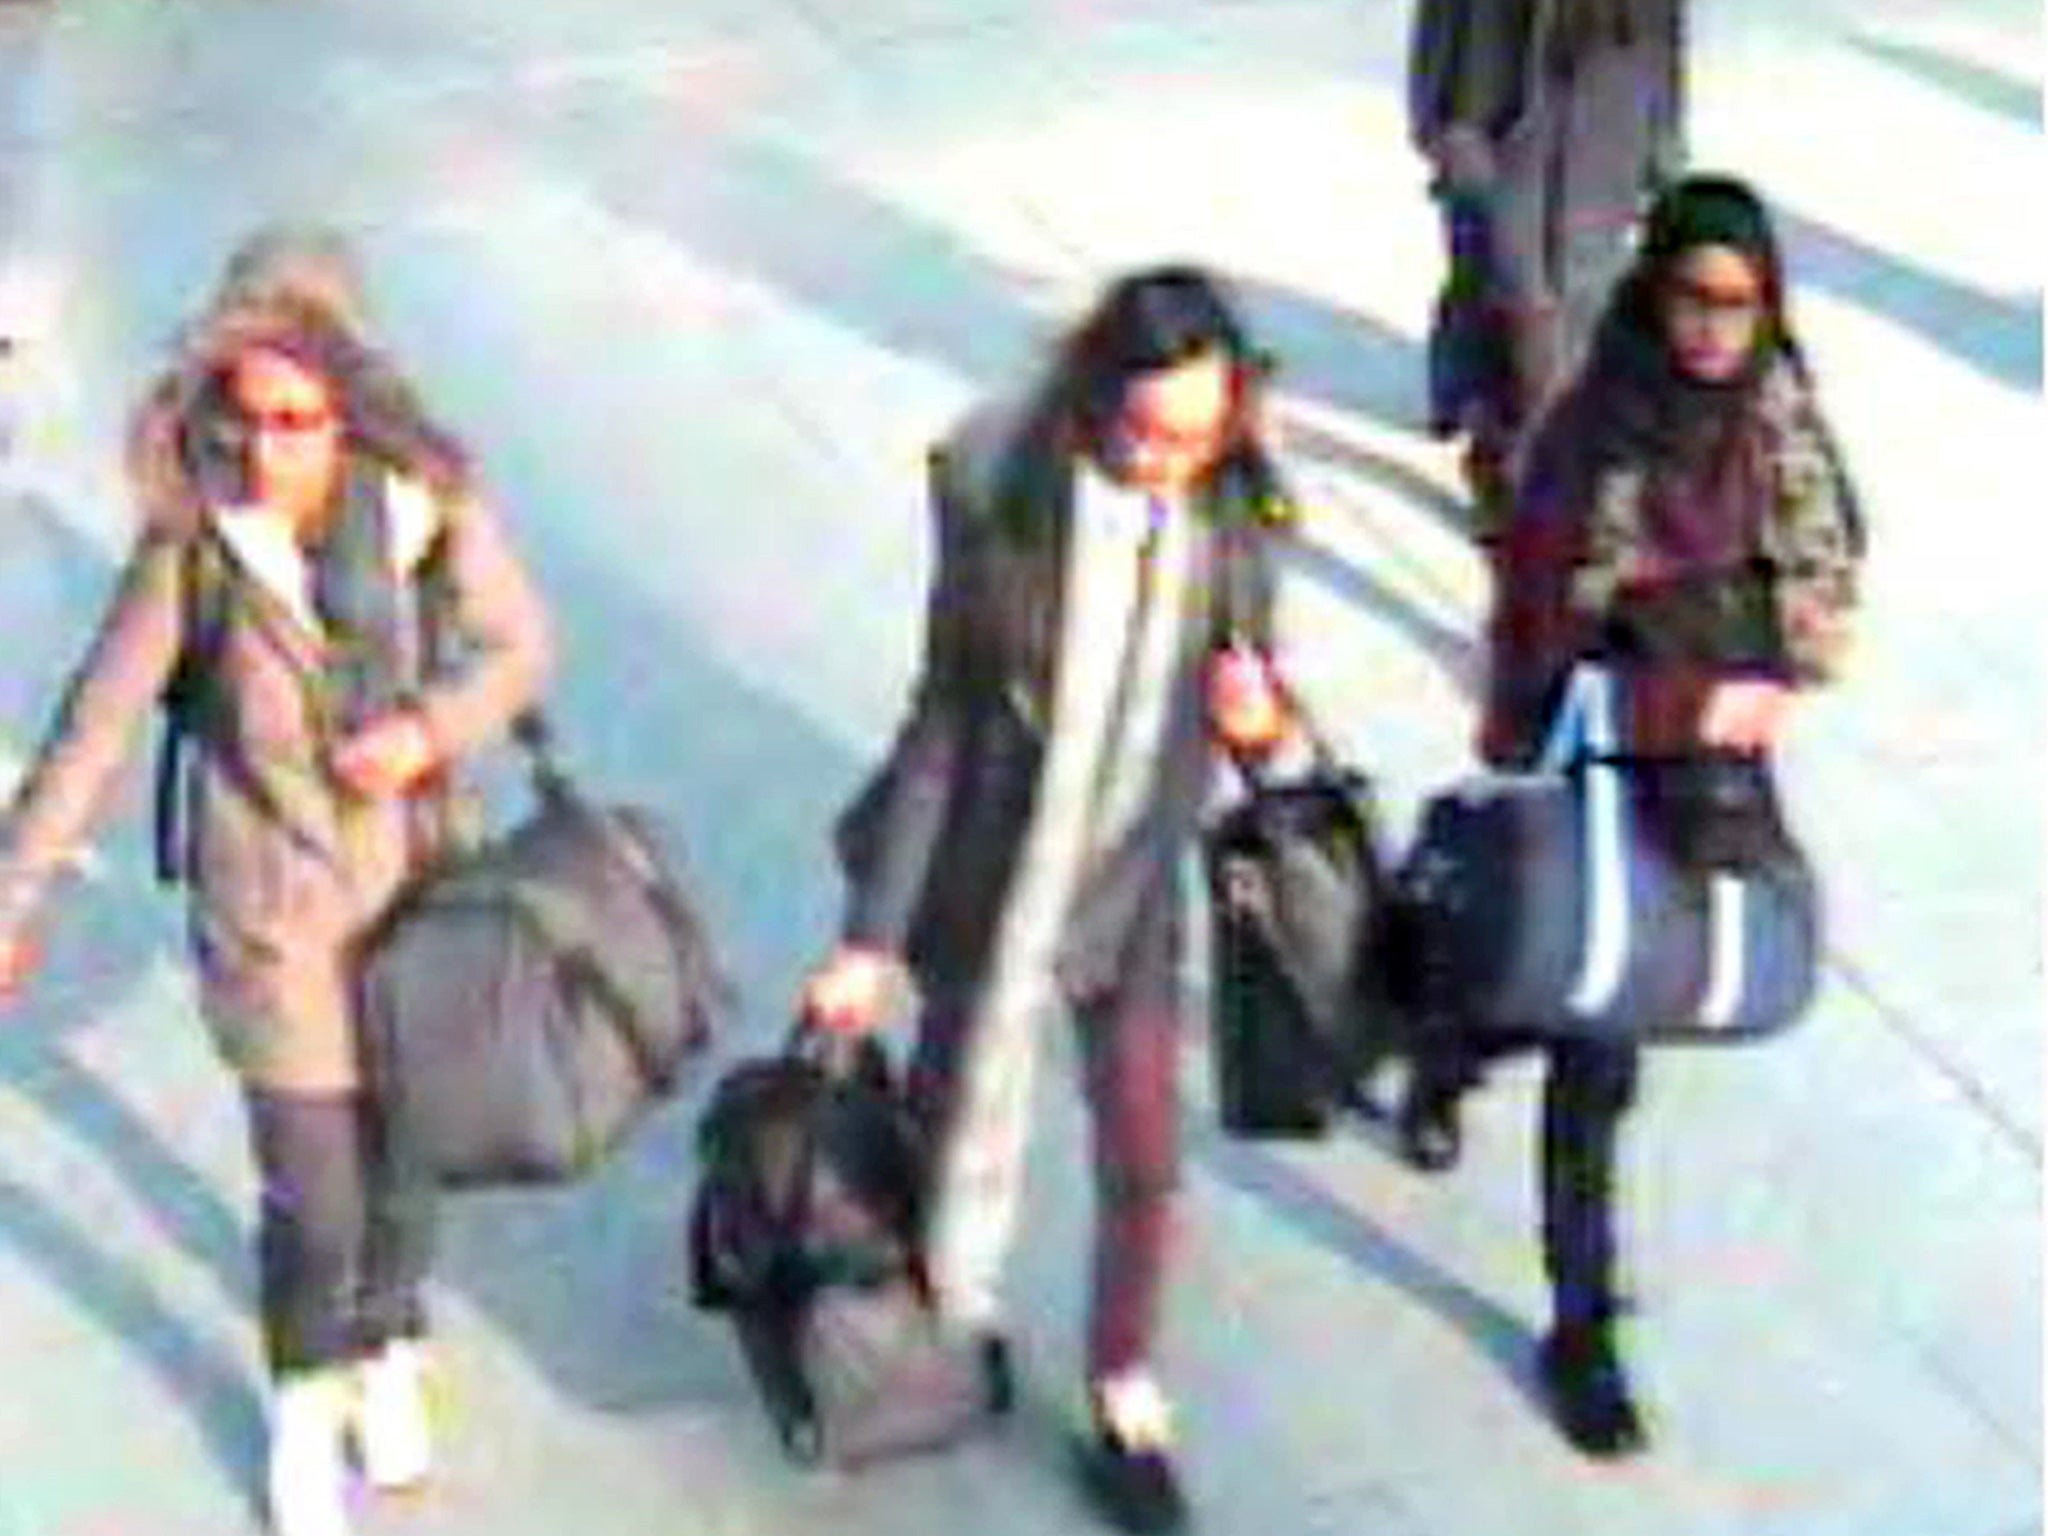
(1130, 752)
(265, 546)
(1087, 747)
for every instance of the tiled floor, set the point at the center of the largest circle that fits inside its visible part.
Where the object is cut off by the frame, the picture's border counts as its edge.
(699, 281)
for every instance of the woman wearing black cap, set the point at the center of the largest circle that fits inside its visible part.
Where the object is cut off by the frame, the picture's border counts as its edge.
(1683, 513)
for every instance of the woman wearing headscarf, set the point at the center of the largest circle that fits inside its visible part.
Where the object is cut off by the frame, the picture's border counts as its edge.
(337, 618)
(1547, 123)
(1684, 517)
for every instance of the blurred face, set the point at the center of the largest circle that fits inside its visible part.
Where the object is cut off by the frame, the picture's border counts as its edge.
(292, 427)
(1713, 312)
(1174, 425)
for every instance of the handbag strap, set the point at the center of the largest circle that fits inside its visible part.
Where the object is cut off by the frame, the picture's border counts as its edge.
(553, 785)
(1584, 729)
(1726, 979)
(1582, 741)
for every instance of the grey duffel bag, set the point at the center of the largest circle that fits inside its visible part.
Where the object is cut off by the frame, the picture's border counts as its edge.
(526, 1003)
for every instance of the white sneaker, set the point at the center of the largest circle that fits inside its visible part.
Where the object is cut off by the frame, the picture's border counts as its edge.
(1133, 1408)
(306, 1481)
(393, 1436)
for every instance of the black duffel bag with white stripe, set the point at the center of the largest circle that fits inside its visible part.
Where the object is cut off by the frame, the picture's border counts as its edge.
(1613, 898)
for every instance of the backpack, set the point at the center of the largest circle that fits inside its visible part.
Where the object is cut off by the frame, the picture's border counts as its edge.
(805, 1231)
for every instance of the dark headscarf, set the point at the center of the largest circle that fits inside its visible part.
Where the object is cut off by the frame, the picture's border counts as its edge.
(1697, 445)
(1645, 407)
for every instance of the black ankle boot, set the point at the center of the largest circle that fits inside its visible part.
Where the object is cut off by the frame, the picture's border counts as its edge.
(1587, 1389)
(1133, 1487)
(998, 1373)
(1430, 1136)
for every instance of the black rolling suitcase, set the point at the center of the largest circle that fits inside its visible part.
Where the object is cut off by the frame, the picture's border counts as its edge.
(1296, 890)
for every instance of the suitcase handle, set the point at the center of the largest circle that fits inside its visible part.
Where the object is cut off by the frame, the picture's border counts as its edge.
(1584, 736)
(841, 1057)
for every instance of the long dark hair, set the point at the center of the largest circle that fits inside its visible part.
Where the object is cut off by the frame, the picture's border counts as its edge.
(1144, 322)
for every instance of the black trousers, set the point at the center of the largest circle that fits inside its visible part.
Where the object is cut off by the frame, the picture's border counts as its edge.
(1588, 1087)
(345, 1230)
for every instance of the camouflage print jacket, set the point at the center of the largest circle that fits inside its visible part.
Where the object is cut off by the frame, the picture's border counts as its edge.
(1583, 570)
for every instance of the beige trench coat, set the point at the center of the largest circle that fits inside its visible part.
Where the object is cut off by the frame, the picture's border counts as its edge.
(277, 903)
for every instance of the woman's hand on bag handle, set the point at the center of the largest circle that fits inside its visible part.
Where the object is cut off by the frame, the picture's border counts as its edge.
(1745, 714)
(389, 756)
(851, 992)
(1248, 708)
